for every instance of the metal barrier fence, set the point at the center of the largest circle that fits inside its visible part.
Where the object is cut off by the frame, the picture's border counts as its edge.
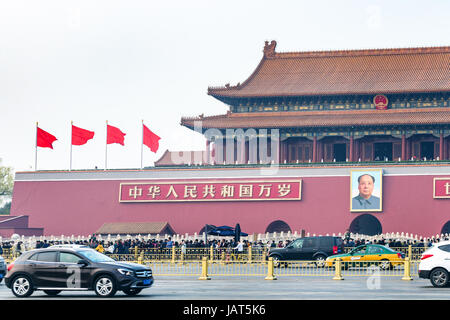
(250, 253)
(209, 262)
(206, 269)
(195, 254)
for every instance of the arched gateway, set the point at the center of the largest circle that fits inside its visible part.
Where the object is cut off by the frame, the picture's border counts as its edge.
(278, 226)
(366, 224)
(446, 228)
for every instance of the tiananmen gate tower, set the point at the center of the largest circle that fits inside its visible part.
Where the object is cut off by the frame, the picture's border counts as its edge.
(301, 134)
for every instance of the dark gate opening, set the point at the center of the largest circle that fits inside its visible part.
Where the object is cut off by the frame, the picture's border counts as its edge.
(382, 151)
(366, 224)
(427, 150)
(278, 226)
(446, 228)
(340, 152)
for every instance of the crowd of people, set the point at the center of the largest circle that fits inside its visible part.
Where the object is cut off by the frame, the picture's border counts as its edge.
(127, 246)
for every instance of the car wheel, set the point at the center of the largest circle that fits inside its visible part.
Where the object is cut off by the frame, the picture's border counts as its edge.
(385, 264)
(132, 292)
(105, 286)
(439, 277)
(320, 261)
(22, 287)
(52, 293)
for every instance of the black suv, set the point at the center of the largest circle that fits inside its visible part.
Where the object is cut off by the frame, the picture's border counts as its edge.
(56, 269)
(308, 249)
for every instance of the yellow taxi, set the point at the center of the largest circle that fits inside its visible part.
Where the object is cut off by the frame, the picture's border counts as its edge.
(369, 254)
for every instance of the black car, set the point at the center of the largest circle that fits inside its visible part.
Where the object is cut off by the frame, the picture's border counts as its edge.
(308, 249)
(56, 269)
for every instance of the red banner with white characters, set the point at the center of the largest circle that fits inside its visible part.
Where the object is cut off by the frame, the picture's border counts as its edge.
(212, 190)
(441, 188)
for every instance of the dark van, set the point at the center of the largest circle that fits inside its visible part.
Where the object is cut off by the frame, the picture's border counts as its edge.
(308, 249)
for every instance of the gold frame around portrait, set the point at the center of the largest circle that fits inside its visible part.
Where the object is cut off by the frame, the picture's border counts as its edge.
(378, 176)
(299, 181)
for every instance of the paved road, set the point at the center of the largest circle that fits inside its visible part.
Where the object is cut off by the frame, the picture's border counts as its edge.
(256, 288)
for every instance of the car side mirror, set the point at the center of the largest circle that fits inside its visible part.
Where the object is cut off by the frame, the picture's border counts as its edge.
(82, 262)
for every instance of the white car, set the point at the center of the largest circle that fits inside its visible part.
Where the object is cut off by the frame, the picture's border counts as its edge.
(435, 264)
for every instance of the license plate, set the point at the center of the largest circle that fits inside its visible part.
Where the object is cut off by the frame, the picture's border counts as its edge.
(145, 282)
(1, 276)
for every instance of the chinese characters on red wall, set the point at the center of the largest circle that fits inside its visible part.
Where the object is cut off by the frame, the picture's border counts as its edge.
(214, 190)
(441, 188)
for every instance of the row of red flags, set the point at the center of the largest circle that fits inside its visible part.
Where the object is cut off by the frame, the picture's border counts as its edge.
(82, 136)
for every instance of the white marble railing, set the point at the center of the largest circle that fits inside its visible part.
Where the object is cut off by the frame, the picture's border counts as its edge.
(30, 242)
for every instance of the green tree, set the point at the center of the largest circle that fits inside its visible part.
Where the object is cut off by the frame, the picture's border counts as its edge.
(6, 188)
(6, 181)
(6, 209)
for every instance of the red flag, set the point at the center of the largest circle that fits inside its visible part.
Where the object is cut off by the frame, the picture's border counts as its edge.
(44, 139)
(151, 140)
(114, 135)
(81, 136)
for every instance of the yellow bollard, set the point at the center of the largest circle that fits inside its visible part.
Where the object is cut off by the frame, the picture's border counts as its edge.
(211, 253)
(222, 258)
(173, 254)
(249, 254)
(204, 275)
(338, 269)
(264, 255)
(141, 258)
(135, 252)
(270, 270)
(407, 274)
(181, 257)
(410, 252)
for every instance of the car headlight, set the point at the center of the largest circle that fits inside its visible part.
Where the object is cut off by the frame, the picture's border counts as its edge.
(126, 272)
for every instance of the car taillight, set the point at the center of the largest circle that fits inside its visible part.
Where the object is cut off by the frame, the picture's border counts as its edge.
(399, 255)
(10, 266)
(335, 249)
(426, 256)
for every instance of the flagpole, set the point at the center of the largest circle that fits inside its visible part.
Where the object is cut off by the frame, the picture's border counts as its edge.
(35, 152)
(71, 142)
(106, 148)
(142, 144)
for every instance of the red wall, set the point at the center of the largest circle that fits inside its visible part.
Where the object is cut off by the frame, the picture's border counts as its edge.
(81, 207)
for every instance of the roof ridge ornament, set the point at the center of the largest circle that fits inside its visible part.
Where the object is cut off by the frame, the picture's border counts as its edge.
(269, 49)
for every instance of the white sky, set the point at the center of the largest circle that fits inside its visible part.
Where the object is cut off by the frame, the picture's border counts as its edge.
(128, 61)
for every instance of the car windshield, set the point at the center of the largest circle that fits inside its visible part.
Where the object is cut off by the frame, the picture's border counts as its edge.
(389, 249)
(95, 256)
(359, 250)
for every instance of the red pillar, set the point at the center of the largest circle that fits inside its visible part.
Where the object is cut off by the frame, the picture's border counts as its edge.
(208, 152)
(242, 146)
(403, 147)
(350, 156)
(314, 159)
(283, 148)
(280, 151)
